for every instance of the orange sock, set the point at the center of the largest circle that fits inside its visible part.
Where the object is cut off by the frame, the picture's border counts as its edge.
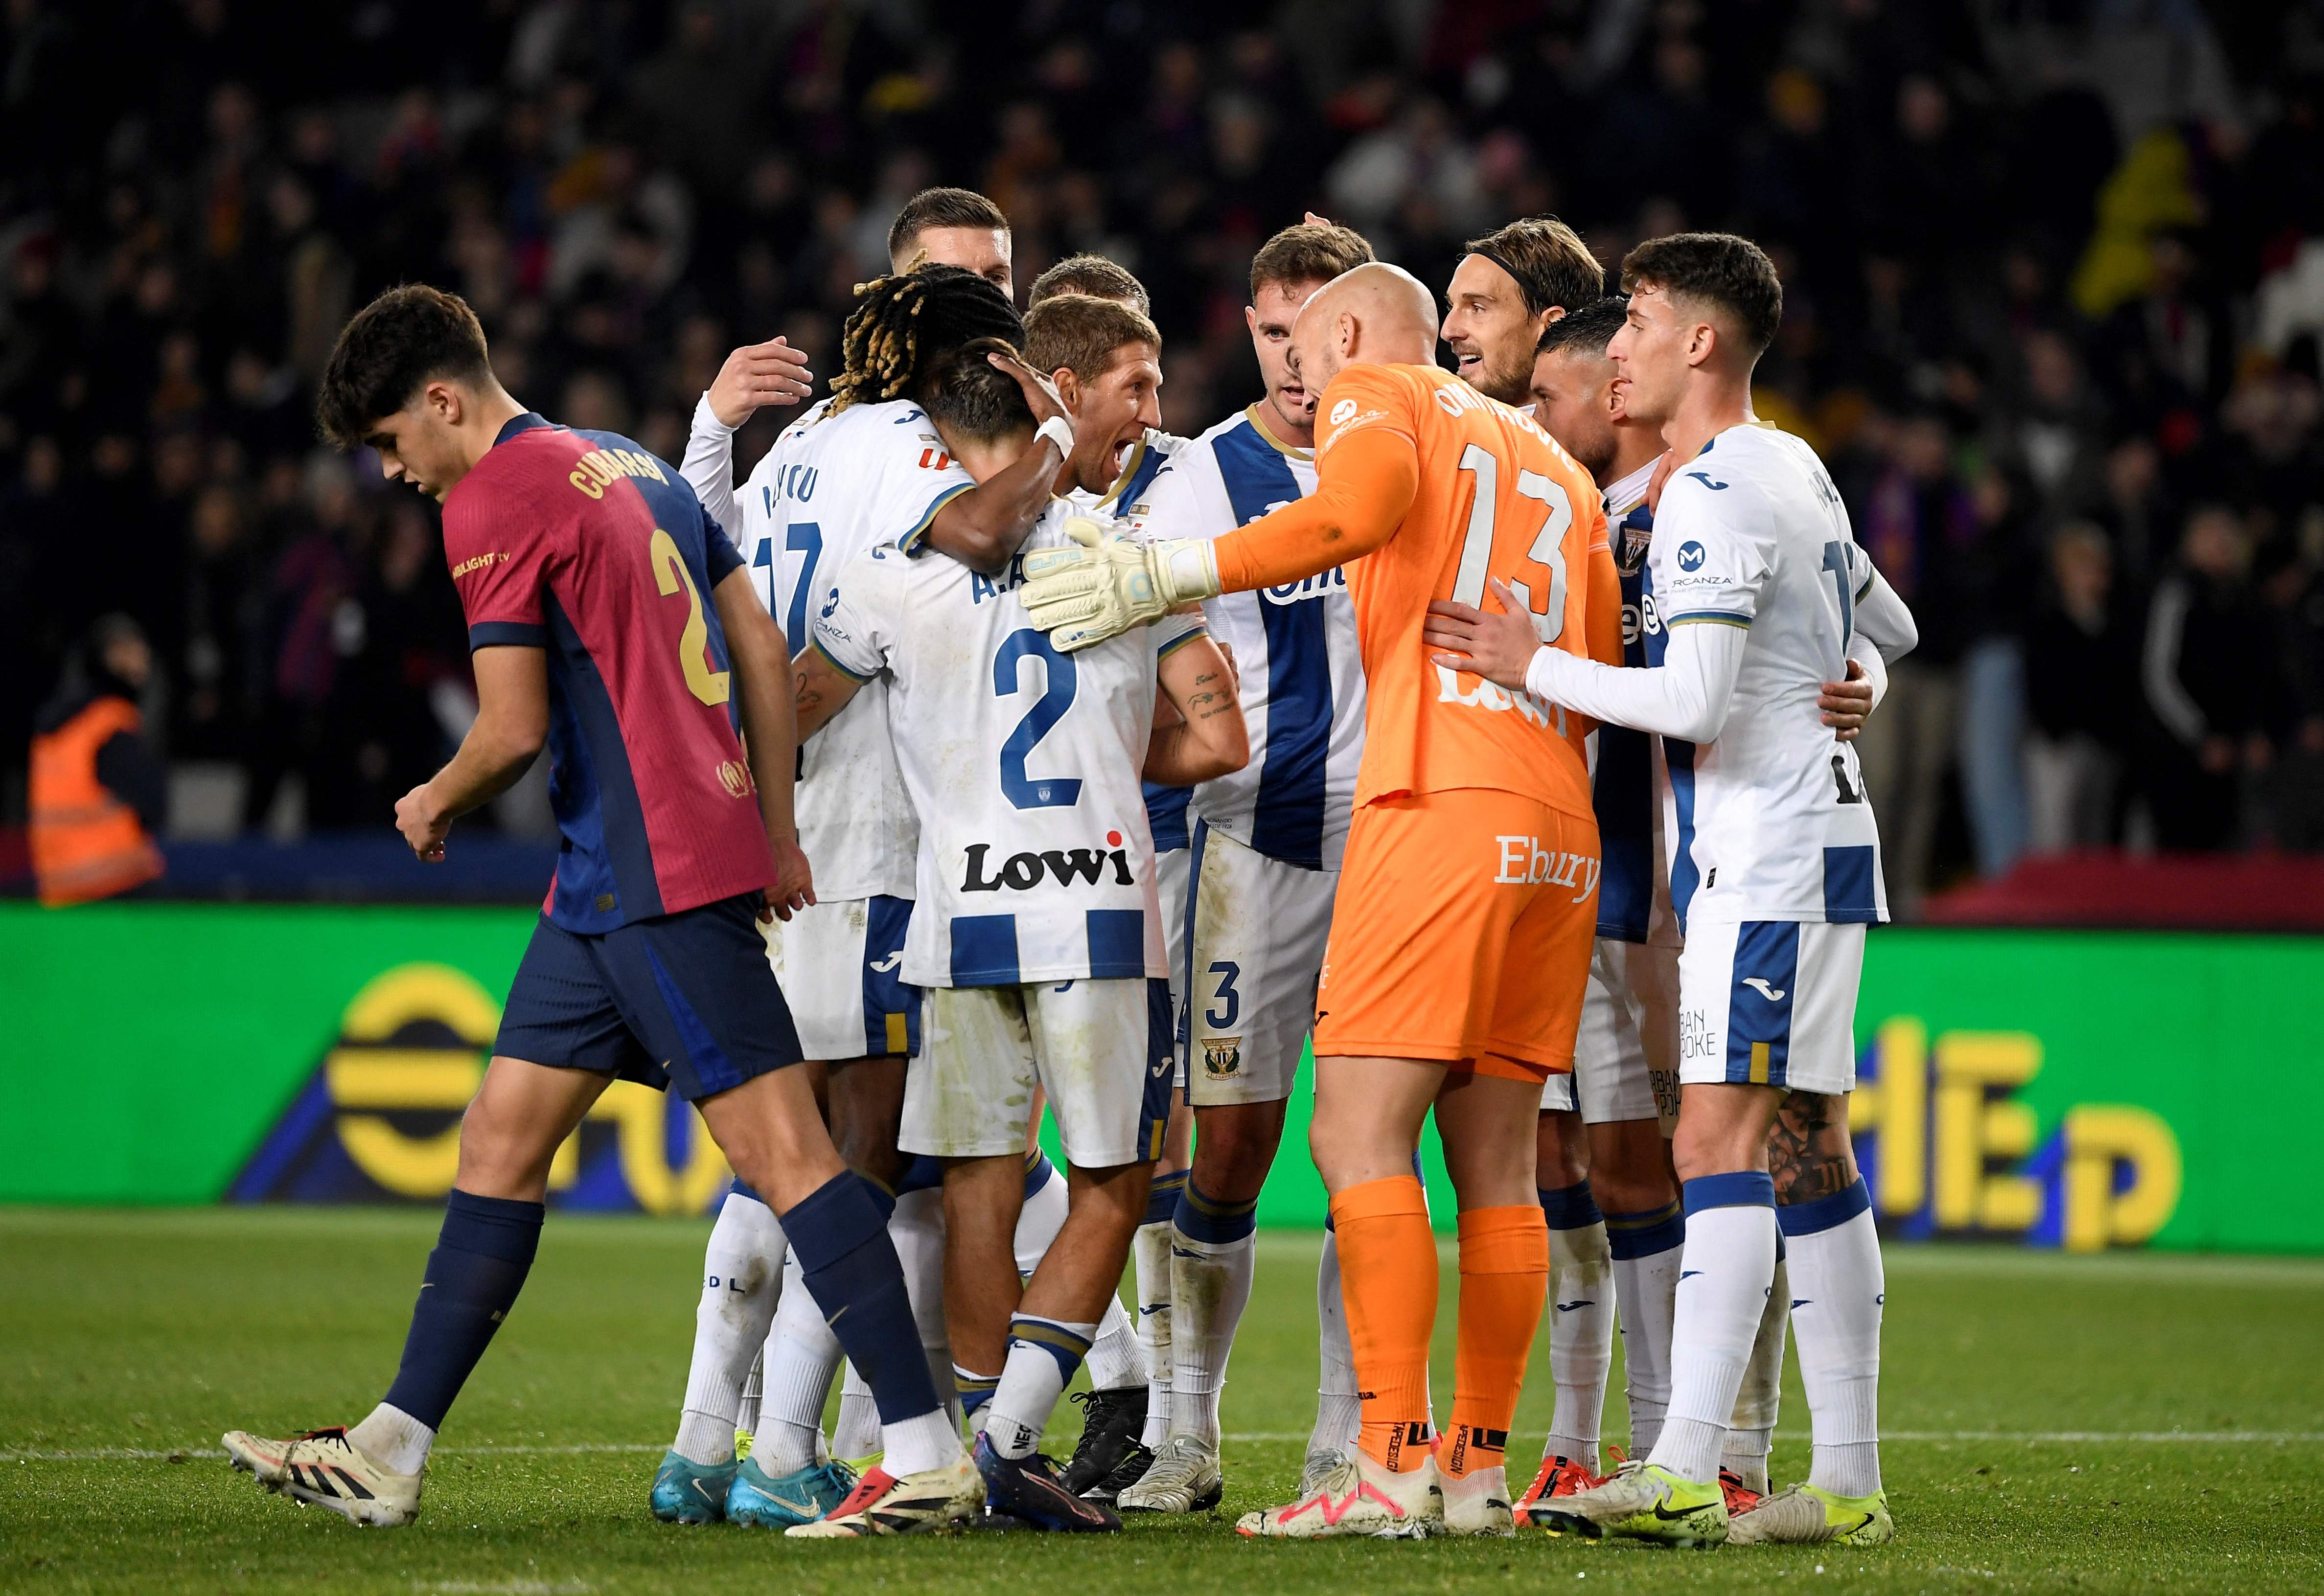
(1504, 1277)
(1387, 1274)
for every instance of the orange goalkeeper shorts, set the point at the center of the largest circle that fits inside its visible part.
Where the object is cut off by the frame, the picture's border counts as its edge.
(1462, 932)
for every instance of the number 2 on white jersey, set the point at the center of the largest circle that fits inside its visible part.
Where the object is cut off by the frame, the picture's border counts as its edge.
(1549, 545)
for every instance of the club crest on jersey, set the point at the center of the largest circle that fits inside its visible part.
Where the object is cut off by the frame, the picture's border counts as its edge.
(734, 775)
(1221, 1057)
(1022, 872)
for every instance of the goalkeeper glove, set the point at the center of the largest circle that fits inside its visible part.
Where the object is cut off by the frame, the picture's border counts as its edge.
(1107, 582)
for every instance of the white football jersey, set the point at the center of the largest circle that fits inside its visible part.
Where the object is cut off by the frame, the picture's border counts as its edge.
(1769, 821)
(1301, 669)
(831, 489)
(1036, 864)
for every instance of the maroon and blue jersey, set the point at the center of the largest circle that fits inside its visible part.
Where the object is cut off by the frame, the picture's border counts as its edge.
(586, 546)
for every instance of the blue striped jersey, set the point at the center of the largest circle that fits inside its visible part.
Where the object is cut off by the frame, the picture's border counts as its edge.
(1166, 807)
(1035, 862)
(1768, 821)
(831, 488)
(1627, 767)
(1294, 650)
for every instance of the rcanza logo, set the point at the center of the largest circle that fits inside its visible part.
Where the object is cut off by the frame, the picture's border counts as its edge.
(1022, 872)
(1524, 863)
(481, 562)
(1342, 410)
(1690, 555)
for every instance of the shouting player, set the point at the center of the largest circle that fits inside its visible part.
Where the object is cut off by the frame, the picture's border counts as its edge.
(611, 618)
(1038, 935)
(1756, 584)
(1266, 861)
(1460, 933)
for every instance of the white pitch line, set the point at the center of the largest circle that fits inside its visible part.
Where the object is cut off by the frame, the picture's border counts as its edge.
(94, 1454)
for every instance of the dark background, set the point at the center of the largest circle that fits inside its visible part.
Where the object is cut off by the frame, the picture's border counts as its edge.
(2052, 271)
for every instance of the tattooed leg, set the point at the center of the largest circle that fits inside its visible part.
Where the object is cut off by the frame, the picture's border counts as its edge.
(1808, 1155)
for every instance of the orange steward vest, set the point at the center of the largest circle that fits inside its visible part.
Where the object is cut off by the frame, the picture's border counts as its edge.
(86, 844)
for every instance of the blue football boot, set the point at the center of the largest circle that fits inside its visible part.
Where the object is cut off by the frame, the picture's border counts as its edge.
(1028, 1490)
(779, 1501)
(685, 1492)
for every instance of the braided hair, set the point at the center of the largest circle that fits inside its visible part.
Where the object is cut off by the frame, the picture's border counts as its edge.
(903, 322)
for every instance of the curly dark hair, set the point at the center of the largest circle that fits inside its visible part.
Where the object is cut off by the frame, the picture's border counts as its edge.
(901, 323)
(1721, 270)
(401, 340)
(968, 397)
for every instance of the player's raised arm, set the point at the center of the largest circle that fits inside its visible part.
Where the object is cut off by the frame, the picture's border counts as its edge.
(761, 667)
(756, 374)
(983, 529)
(1209, 738)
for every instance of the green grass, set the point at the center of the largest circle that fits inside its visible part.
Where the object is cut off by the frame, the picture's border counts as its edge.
(2027, 1399)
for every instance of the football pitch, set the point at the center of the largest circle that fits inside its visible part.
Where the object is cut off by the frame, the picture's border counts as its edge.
(2128, 1423)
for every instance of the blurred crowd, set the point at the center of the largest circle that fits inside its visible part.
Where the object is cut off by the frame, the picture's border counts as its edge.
(2055, 277)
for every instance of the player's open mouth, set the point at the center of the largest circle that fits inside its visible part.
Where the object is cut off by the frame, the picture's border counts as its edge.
(1121, 454)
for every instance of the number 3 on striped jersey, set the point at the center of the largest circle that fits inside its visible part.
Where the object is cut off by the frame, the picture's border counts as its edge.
(670, 576)
(1548, 548)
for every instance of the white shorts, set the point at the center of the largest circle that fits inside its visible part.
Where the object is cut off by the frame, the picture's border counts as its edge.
(841, 967)
(1770, 1002)
(1256, 947)
(1100, 1048)
(1170, 871)
(1625, 1054)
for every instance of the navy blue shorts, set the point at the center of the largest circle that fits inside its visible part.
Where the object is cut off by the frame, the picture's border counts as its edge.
(684, 1003)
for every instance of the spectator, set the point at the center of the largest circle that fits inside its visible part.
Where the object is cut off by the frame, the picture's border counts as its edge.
(99, 792)
(1920, 526)
(2081, 662)
(2211, 679)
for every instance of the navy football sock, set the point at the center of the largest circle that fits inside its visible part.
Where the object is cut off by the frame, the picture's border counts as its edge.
(841, 1239)
(482, 1257)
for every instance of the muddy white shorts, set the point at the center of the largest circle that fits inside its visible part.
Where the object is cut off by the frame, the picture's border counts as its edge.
(1625, 1054)
(1100, 1048)
(1259, 928)
(841, 967)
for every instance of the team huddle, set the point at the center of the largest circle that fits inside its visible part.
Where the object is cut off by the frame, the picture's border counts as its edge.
(990, 753)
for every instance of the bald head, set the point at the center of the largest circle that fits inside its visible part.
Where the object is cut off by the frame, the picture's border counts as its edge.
(1375, 315)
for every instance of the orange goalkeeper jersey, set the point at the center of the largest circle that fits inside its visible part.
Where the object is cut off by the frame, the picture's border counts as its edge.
(1495, 496)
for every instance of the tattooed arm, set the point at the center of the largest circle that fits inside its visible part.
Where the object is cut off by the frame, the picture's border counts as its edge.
(1808, 1151)
(1209, 739)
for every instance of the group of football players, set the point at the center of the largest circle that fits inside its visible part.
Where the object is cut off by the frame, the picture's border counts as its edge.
(1490, 727)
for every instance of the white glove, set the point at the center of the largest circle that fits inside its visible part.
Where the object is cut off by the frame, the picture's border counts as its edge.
(1109, 583)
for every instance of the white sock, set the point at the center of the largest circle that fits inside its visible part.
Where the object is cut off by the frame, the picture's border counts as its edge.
(746, 1412)
(1338, 1411)
(1038, 1222)
(1211, 1285)
(802, 1355)
(394, 1440)
(1581, 1335)
(1751, 1432)
(929, 1441)
(917, 1229)
(1837, 1290)
(1042, 1356)
(1149, 1256)
(1646, 1249)
(741, 1277)
(857, 1433)
(1114, 1362)
(1722, 1289)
